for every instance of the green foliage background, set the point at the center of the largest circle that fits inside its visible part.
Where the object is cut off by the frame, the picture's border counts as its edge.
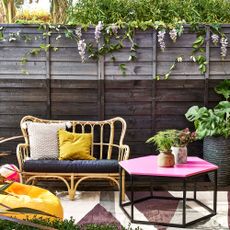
(59, 225)
(112, 11)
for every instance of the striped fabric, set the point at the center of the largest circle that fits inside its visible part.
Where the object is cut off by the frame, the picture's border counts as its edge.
(10, 172)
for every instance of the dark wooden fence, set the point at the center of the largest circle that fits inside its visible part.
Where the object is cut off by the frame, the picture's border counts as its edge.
(59, 86)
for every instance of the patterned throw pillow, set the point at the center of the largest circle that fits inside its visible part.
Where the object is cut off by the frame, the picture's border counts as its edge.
(43, 140)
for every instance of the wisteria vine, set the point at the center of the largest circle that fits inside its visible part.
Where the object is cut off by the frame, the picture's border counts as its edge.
(105, 35)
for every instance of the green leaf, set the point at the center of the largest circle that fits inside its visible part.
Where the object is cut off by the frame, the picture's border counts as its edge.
(55, 49)
(123, 68)
(223, 88)
(198, 42)
(5, 186)
(68, 33)
(47, 34)
(26, 210)
(192, 113)
(113, 58)
(25, 72)
(23, 60)
(172, 66)
(1, 36)
(35, 51)
(45, 47)
(167, 75)
(58, 37)
(132, 57)
(222, 109)
(157, 77)
(215, 28)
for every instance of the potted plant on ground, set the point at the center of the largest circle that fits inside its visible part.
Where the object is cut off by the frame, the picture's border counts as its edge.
(214, 126)
(164, 140)
(179, 148)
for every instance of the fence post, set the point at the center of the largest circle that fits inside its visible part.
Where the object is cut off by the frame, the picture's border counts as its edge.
(154, 73)
(48, 79)
(101, 87)
(206, 76)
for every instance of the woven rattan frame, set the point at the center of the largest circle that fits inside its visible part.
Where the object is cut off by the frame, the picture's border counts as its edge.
(72, 180)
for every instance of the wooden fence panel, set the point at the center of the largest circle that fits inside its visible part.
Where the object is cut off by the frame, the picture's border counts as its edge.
(59, 86)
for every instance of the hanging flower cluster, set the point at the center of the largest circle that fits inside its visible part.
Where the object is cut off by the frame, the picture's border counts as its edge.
(82, 48)
(112, 28)
(173, 34)
(161, 37)
(185, 136)
(98, 29)
(14, 36)
(78, 33)
(215, 39)
(223, 48)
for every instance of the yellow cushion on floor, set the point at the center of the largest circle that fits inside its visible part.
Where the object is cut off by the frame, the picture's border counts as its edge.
(27, 196)
(74, 146)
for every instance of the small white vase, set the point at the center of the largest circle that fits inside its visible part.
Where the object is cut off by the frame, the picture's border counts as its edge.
(180, 154)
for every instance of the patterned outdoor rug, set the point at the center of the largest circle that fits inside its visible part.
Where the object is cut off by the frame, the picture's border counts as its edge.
(103, 208)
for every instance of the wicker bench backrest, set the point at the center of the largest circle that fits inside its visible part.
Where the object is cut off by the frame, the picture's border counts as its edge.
(107, 135)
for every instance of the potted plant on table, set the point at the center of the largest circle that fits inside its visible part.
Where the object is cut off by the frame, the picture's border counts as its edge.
(213, 125)
(164, 140)
(181, 140)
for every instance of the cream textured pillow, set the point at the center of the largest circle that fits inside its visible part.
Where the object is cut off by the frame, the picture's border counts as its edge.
(43, 140)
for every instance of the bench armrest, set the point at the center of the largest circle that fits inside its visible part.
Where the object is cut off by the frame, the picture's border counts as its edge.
(22, 154)
(124, 152)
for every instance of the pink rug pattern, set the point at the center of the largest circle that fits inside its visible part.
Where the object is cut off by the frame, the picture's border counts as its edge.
(103, 208)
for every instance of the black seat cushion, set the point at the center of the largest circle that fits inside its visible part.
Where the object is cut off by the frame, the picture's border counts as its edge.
(76, 166)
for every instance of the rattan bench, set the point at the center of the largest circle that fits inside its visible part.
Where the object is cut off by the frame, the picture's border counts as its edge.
(107, 147)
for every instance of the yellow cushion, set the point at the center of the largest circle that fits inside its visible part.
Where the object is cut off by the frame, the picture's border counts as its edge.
(74, 146)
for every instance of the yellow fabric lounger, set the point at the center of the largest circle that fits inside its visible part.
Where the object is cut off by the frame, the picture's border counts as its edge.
(32, 197)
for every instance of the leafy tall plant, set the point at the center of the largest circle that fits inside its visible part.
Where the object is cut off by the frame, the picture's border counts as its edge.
(164, 140)
(216, 121)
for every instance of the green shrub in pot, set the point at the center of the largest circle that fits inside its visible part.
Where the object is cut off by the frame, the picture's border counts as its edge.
(213, 125)
(163, 141)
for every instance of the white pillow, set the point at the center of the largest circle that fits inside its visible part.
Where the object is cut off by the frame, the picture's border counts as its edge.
(43, 140)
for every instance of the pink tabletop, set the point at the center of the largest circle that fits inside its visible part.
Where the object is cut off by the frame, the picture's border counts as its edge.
(148, 166)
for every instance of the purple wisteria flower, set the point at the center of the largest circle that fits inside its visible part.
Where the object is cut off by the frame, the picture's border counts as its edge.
(215, 39)
(98, 29)
(161, 36)
(173, 34)
(82, 48)
(78, 33)
(223, 48)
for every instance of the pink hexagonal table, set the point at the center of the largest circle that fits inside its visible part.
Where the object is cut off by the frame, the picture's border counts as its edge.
(147, 166)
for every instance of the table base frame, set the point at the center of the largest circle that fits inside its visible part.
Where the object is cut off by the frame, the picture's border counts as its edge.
(212, 211)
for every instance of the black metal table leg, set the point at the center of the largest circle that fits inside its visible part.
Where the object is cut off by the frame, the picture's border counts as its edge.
(184, 203)
(184, 199)
(215, 192)
(194, 191)
(131, 179)
(120, 185)
(151, 190)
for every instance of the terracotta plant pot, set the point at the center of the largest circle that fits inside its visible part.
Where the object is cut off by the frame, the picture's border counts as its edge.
(165, 159)
(180, 154)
